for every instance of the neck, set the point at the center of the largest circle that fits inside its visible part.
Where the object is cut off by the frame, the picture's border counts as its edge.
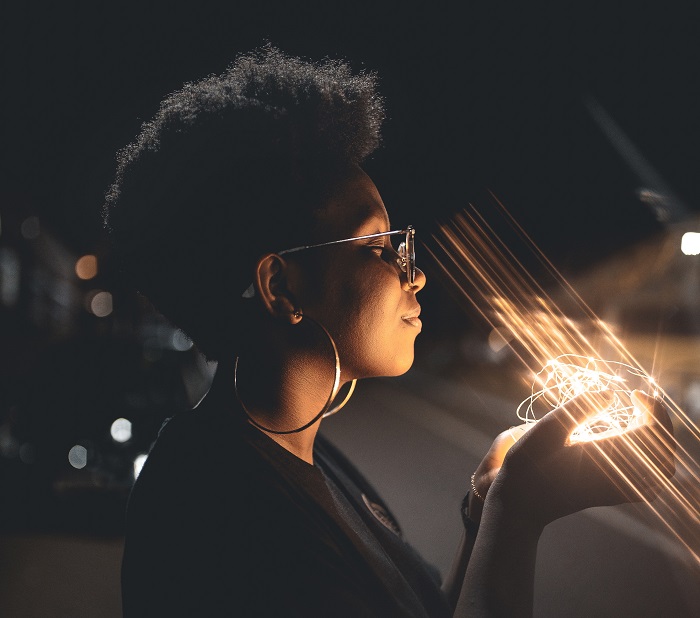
(276, 408)
(298, 444)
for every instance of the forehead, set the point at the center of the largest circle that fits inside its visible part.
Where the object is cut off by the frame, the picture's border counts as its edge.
(355, 207)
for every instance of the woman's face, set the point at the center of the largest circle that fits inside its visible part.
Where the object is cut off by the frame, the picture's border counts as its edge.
(356, 289)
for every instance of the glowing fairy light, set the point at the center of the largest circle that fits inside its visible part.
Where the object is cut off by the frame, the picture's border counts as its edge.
(569, 375)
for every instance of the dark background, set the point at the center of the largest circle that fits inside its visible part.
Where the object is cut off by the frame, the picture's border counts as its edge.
(482, 97)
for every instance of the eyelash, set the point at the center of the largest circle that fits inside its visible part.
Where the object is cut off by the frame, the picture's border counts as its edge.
(378, 250)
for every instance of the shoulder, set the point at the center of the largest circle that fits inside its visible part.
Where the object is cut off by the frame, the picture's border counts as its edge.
(194, 455)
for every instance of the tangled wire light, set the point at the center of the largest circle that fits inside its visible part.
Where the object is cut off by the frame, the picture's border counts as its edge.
(569, 375)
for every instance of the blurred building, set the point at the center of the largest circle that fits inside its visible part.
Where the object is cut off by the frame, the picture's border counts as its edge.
(88, 373)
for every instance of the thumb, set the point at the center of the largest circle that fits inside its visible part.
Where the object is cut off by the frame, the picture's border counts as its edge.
(653, 408)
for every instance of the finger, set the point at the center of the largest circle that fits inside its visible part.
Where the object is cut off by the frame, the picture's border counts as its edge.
(656, 438)
(555, 427)
(642, 452)
(561, 421)
(506, 440)
(518, 431)
(653, 408)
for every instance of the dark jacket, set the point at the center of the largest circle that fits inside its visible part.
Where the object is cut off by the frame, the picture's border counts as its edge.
(223, 521)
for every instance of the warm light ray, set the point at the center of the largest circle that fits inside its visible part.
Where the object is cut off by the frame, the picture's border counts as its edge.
(563, 357)
(561, 281)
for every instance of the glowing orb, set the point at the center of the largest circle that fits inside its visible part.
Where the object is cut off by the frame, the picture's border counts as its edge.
(569, 375)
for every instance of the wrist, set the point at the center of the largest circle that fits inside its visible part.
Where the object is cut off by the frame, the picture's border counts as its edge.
(514, 507)
(470, 517)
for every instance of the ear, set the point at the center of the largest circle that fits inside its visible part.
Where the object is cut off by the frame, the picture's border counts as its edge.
(272, 283)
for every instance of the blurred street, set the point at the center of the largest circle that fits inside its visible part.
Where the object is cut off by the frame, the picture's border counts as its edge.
(419, 438)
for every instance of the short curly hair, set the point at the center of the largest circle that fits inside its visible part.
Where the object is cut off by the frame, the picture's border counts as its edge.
(231, 166)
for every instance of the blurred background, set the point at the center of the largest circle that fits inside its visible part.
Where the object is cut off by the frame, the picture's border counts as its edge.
(581, 118)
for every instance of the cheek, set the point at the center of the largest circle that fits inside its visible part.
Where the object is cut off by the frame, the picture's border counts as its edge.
(354, 303)
(363, 314)
(359, 314)
(368, 331)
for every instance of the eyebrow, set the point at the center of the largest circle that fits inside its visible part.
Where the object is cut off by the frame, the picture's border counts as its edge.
(376, 224)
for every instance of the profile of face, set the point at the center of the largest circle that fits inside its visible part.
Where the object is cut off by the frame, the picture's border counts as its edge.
(357, 289)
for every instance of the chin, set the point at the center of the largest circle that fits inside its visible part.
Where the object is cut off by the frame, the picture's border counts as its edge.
(403, 366)
(396, 366)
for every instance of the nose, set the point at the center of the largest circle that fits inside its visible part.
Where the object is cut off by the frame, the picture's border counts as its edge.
(418, 281)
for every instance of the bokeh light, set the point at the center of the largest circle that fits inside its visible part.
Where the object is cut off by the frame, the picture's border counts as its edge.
(139, 460)
(77, 456)
(100, 303)
(86, 267)
(180, 341)
(690, 243)
(121, 430)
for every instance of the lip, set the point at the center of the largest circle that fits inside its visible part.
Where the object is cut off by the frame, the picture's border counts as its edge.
(412, 318)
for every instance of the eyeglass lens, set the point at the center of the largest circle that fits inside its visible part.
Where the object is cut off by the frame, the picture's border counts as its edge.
(407, 256)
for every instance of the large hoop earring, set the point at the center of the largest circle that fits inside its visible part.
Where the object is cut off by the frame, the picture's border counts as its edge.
(326, 411)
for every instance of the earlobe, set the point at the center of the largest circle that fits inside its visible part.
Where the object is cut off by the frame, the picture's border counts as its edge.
(272, 282)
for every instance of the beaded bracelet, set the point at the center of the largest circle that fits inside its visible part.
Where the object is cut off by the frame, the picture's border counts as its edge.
(474, 490)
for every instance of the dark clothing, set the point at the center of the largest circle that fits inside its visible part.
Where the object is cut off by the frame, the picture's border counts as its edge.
(223, 521)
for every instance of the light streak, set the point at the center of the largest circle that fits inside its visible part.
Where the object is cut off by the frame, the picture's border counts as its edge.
(562, 353)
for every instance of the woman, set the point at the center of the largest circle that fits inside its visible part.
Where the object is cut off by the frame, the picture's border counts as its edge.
(243, 213)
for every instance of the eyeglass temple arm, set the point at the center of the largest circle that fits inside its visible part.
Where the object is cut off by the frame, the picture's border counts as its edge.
(335, 242)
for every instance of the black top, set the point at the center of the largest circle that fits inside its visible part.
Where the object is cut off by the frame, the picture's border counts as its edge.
(223, 521)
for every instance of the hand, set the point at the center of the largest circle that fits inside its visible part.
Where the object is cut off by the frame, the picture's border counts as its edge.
(490, 465)
(547, 477)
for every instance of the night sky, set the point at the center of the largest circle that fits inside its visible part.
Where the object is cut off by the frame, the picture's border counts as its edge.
(481, 97)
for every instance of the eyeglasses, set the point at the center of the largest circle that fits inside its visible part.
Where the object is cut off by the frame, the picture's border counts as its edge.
(406, 252)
